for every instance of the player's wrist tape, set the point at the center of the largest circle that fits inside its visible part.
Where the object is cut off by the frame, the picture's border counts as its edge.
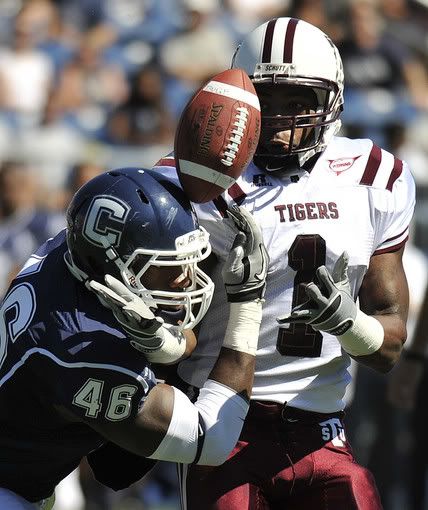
(242, 332)
(364, 337)
(209, 444)
(166, 347)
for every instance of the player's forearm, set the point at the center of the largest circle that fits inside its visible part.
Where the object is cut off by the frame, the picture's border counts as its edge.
(236, 370)
(384, 359)
(236, 362)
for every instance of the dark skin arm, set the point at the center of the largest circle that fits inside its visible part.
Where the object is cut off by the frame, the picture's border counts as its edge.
(384, 294)
(404, 382)
(143, 435)
(165, 372)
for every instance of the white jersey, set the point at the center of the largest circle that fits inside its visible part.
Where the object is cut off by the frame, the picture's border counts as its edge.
(357, 198)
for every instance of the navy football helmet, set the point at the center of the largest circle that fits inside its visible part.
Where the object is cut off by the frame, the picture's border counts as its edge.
(126, 221)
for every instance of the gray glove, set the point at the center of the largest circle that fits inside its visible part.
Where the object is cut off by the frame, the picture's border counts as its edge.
(330, 306)
(244, 272)
(131, 312)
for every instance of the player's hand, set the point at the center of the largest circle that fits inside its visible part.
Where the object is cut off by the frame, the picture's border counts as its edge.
(131, 312)
(330, 306)
(244, 272)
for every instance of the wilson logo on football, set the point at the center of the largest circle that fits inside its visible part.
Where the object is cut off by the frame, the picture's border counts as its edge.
(342, 164)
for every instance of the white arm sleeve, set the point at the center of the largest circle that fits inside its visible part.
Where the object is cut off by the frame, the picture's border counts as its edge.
(204, 432)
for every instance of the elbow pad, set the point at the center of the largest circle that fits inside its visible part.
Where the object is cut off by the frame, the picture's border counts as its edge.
(205, 432)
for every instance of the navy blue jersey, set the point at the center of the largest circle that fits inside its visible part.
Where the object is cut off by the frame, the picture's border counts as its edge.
(64, 364)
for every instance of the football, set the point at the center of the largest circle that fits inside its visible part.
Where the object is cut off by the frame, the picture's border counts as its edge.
(217, 135)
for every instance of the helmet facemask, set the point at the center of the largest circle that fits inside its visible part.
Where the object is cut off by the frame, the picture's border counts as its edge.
(134, 224)
(307, 129)
(194, 299)
(285, 52)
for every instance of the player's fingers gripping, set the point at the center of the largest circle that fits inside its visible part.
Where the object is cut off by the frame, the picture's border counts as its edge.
(299, 314)
(326, 281)
(246, 223)
(237, 253)
(109, 298)
(340, 270)
(254, 246)
(134, 306)
(244, 273)
(118, 287)
(314, 293)
(307, 311)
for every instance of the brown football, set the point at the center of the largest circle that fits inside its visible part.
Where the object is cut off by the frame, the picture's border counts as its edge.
(217, 135)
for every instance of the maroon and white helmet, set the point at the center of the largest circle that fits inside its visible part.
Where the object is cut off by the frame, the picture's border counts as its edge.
(288, 51)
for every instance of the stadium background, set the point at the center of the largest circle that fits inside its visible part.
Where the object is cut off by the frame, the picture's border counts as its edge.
(89, 85)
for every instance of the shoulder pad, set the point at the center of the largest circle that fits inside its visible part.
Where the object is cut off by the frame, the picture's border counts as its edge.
(363, 162)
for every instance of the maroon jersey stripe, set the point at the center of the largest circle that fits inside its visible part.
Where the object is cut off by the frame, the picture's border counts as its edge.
(221, 205)
(393, 248)
(289, 40)
(168, 161)
(236, 193)
(395, 237)
(267, 44)
(372, 166)
(395, 174)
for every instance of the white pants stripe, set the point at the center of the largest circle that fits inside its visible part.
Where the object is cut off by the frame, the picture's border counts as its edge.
(182, 470)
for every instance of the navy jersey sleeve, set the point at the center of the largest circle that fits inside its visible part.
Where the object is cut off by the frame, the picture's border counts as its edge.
(64, 365)
(79, 357)
(101, 377)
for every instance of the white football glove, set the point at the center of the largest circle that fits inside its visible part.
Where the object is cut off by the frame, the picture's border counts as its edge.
(244, 272)
(147, 332)
(330, 306)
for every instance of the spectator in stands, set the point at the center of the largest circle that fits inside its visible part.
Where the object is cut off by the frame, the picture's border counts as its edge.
(407, 22)
(48, 30)
(143, 119)
(24, 223)
(88, 88)
(22, 97)
(200, 51)
(35, 144)
(384, 80)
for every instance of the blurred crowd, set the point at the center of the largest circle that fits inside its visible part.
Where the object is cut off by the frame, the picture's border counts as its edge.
(89, 85)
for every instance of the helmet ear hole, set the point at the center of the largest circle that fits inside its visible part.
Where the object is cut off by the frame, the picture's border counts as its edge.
(142, 196)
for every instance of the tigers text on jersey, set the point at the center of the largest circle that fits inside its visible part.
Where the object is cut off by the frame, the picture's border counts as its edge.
(64, 364)
(357, 198)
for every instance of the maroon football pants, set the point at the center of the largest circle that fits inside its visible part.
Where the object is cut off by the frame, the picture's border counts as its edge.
(286, 459)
